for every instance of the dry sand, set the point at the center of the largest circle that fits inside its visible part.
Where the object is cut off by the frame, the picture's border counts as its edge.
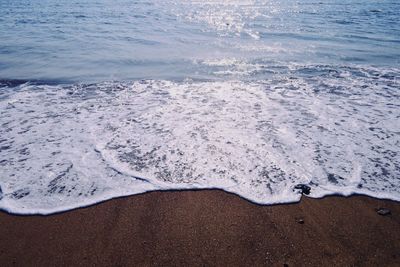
(208, 227)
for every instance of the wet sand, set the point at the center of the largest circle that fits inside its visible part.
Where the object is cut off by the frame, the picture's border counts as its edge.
(207, 227)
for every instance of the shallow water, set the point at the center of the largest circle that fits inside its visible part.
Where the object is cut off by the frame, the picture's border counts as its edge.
(100, 99)
(102, 40)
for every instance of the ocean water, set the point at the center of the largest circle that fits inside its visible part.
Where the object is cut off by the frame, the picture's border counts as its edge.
(101, 99)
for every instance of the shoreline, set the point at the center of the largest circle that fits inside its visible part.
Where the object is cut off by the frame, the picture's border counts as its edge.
(99, 202)
(206, 227)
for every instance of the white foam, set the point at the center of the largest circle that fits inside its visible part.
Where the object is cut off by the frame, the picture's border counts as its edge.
(232, 67)
(337, 130)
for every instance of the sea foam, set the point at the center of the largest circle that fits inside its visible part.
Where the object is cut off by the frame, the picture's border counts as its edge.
(67, 146)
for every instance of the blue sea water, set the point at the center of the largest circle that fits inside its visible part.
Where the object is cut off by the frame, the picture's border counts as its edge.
(88, 40)
(101, 98)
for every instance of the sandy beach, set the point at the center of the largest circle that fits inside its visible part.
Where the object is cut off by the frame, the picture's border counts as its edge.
(266, 100)
(206, 228)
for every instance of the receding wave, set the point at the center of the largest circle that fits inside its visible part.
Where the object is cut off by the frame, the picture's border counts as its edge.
(333, 128)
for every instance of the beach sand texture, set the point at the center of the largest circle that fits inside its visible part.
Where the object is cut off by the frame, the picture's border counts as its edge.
(206, 228)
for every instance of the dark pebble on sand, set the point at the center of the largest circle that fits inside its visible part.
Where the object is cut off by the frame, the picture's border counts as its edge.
(305, 189)
(300, 221)
(383, 211)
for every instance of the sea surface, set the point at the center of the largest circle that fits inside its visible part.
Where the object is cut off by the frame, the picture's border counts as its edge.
(108, 98)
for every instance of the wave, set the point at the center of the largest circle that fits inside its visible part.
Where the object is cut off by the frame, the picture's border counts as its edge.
(333, 128)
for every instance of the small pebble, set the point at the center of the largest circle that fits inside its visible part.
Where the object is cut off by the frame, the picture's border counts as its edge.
(383, 211)
(300, 221)
(305, 189)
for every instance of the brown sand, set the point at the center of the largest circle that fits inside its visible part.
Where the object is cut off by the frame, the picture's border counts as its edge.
(207, 227)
